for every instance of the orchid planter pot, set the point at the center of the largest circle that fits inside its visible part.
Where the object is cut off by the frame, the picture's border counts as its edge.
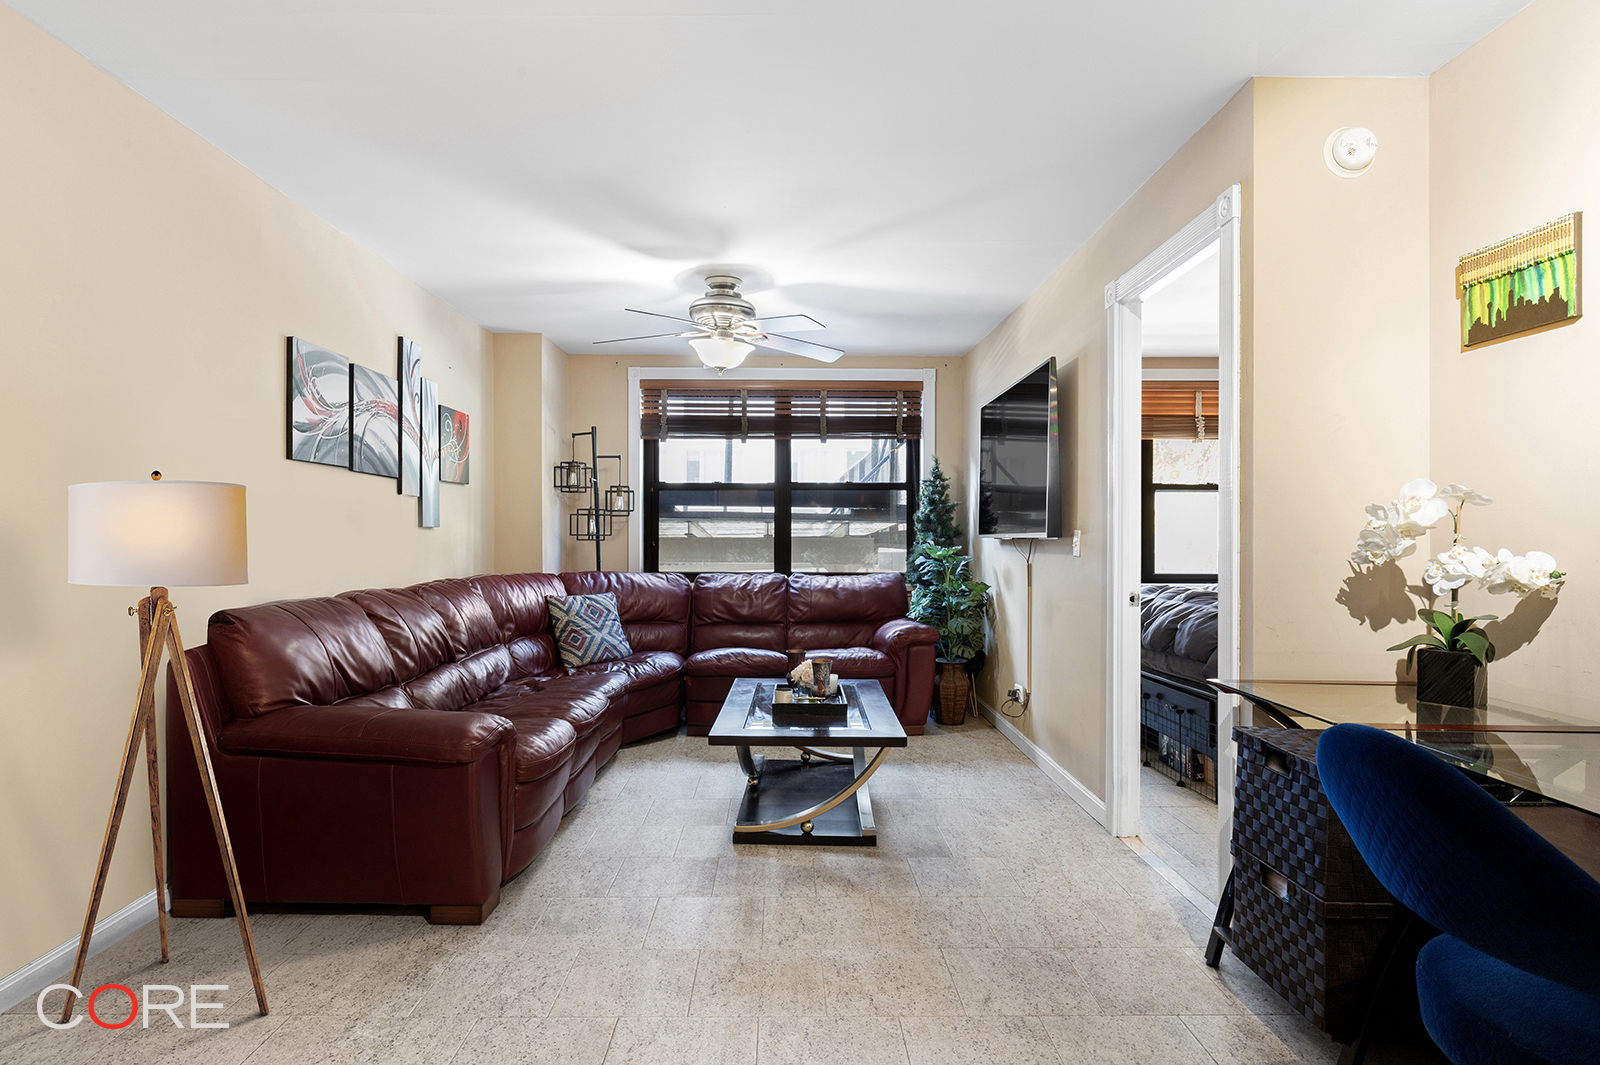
(1451, 678)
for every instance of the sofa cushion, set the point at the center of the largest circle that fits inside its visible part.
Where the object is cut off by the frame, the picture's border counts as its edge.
(544, 744)
(740, 610)
(654, 607)
(467, 618)
(842, 611)
(642, 669)
(544, 750)
(857, 663)
(611, 685)
(582, 705)
(519, 604)
(736, 662)
(412, 629)
(588, 629)
(457, 685)
(304, 652)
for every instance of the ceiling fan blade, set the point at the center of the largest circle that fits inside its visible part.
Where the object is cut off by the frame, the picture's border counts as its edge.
(652, 336)
(793, 346)
(669, 317)
(790, 322)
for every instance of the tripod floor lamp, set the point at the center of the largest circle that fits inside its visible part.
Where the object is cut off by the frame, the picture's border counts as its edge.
(154, 533)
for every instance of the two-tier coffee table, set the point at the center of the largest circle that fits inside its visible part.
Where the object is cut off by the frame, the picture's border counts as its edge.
(820, 797)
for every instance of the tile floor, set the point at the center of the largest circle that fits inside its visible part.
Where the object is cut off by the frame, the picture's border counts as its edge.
(1180, 827)
(995, 923)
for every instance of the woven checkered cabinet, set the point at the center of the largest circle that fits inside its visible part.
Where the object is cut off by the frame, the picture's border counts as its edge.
(1314, 953)
(1281, 816)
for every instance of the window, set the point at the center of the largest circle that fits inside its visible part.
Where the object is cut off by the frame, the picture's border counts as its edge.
(789, 501)
(1181, 510)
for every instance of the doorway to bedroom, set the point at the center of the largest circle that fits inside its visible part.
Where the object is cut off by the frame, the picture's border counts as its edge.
(1180, 473)
(1173, 336)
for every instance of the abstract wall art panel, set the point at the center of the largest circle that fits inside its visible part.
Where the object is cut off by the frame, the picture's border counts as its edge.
(454, 446)
(1527, 282)
(319, 405)
(410, 482)
(430, 455)
(374, 422)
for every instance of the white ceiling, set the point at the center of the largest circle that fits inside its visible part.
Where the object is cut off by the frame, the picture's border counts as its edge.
(906, 171)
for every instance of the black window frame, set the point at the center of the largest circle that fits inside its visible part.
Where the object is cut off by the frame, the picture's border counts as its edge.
(1147, 538)
(783, 488)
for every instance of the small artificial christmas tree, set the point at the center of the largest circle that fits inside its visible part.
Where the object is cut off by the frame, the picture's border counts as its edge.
(935, 520)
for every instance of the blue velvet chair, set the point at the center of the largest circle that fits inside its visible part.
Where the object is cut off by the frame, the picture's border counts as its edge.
(1515, 977)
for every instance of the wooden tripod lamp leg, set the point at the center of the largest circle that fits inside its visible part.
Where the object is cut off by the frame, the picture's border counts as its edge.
(153, 762)
(208, 784)
(130, 753)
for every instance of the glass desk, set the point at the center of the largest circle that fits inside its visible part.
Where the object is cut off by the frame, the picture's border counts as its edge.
(1544, 765)
(1529, 748)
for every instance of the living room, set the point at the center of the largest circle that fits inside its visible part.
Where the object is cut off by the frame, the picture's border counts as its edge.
(192, 193)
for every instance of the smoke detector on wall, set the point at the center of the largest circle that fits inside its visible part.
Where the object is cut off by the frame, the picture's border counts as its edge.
(1349, 151)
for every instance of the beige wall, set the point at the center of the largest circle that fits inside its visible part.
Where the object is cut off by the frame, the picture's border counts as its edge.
(530, 412)
(597, 394)
(1335, 394)
(147, 282)
(1513, 420)
(553, 407)
(1065, 317)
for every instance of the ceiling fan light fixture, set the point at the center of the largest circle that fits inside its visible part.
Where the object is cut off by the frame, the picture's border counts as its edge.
(721, 352)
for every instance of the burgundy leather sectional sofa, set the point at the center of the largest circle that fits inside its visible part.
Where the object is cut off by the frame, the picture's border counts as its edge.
(418, 746)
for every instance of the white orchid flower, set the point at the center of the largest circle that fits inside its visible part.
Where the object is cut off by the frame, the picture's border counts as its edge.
(1464, 495)
(1419, 508)
(1383, 543)
(1523, 575)
(1442, 579)
(1543, 577)
(1453, 568)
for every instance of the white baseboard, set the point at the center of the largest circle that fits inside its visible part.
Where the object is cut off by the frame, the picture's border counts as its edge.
(1092, 803)
(56, 966)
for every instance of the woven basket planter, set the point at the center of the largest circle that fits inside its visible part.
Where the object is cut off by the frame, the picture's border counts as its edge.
(955, 687)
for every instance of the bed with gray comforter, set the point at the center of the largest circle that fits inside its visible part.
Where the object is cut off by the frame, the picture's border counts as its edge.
(1178, 630)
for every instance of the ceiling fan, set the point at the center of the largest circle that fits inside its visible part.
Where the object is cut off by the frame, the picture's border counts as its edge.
(726, 329)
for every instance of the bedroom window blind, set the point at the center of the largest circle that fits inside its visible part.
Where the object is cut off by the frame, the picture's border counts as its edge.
(1179, 410)
(785, 410)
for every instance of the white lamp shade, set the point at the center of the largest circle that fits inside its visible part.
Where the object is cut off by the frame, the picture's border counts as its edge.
(721, 352)
(156, 533)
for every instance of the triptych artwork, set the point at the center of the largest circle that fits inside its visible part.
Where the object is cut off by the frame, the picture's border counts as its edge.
(362, 420)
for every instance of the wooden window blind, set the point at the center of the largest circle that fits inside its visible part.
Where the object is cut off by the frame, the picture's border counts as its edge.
(782, 409)
(1179, 410)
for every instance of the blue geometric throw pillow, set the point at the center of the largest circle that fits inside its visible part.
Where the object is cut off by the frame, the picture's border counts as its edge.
(588, 629)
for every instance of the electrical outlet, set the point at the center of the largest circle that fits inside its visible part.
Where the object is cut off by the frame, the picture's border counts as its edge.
(1077, 542)
(1019, 694)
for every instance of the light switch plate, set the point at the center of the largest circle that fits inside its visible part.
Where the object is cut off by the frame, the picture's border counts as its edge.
(1077, 542)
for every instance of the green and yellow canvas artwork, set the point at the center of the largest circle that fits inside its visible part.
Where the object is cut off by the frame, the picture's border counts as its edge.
(1530, 281)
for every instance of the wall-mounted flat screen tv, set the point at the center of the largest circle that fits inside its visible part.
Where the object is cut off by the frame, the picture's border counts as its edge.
(1019, 460)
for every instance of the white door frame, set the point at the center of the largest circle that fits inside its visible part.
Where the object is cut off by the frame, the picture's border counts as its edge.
(1219, 223)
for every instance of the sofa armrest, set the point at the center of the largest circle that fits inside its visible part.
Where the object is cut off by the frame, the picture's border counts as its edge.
(368, 734)
(893, 638)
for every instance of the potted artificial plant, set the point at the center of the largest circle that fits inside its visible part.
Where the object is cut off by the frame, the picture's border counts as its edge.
(945, 596)
(1451, 658)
